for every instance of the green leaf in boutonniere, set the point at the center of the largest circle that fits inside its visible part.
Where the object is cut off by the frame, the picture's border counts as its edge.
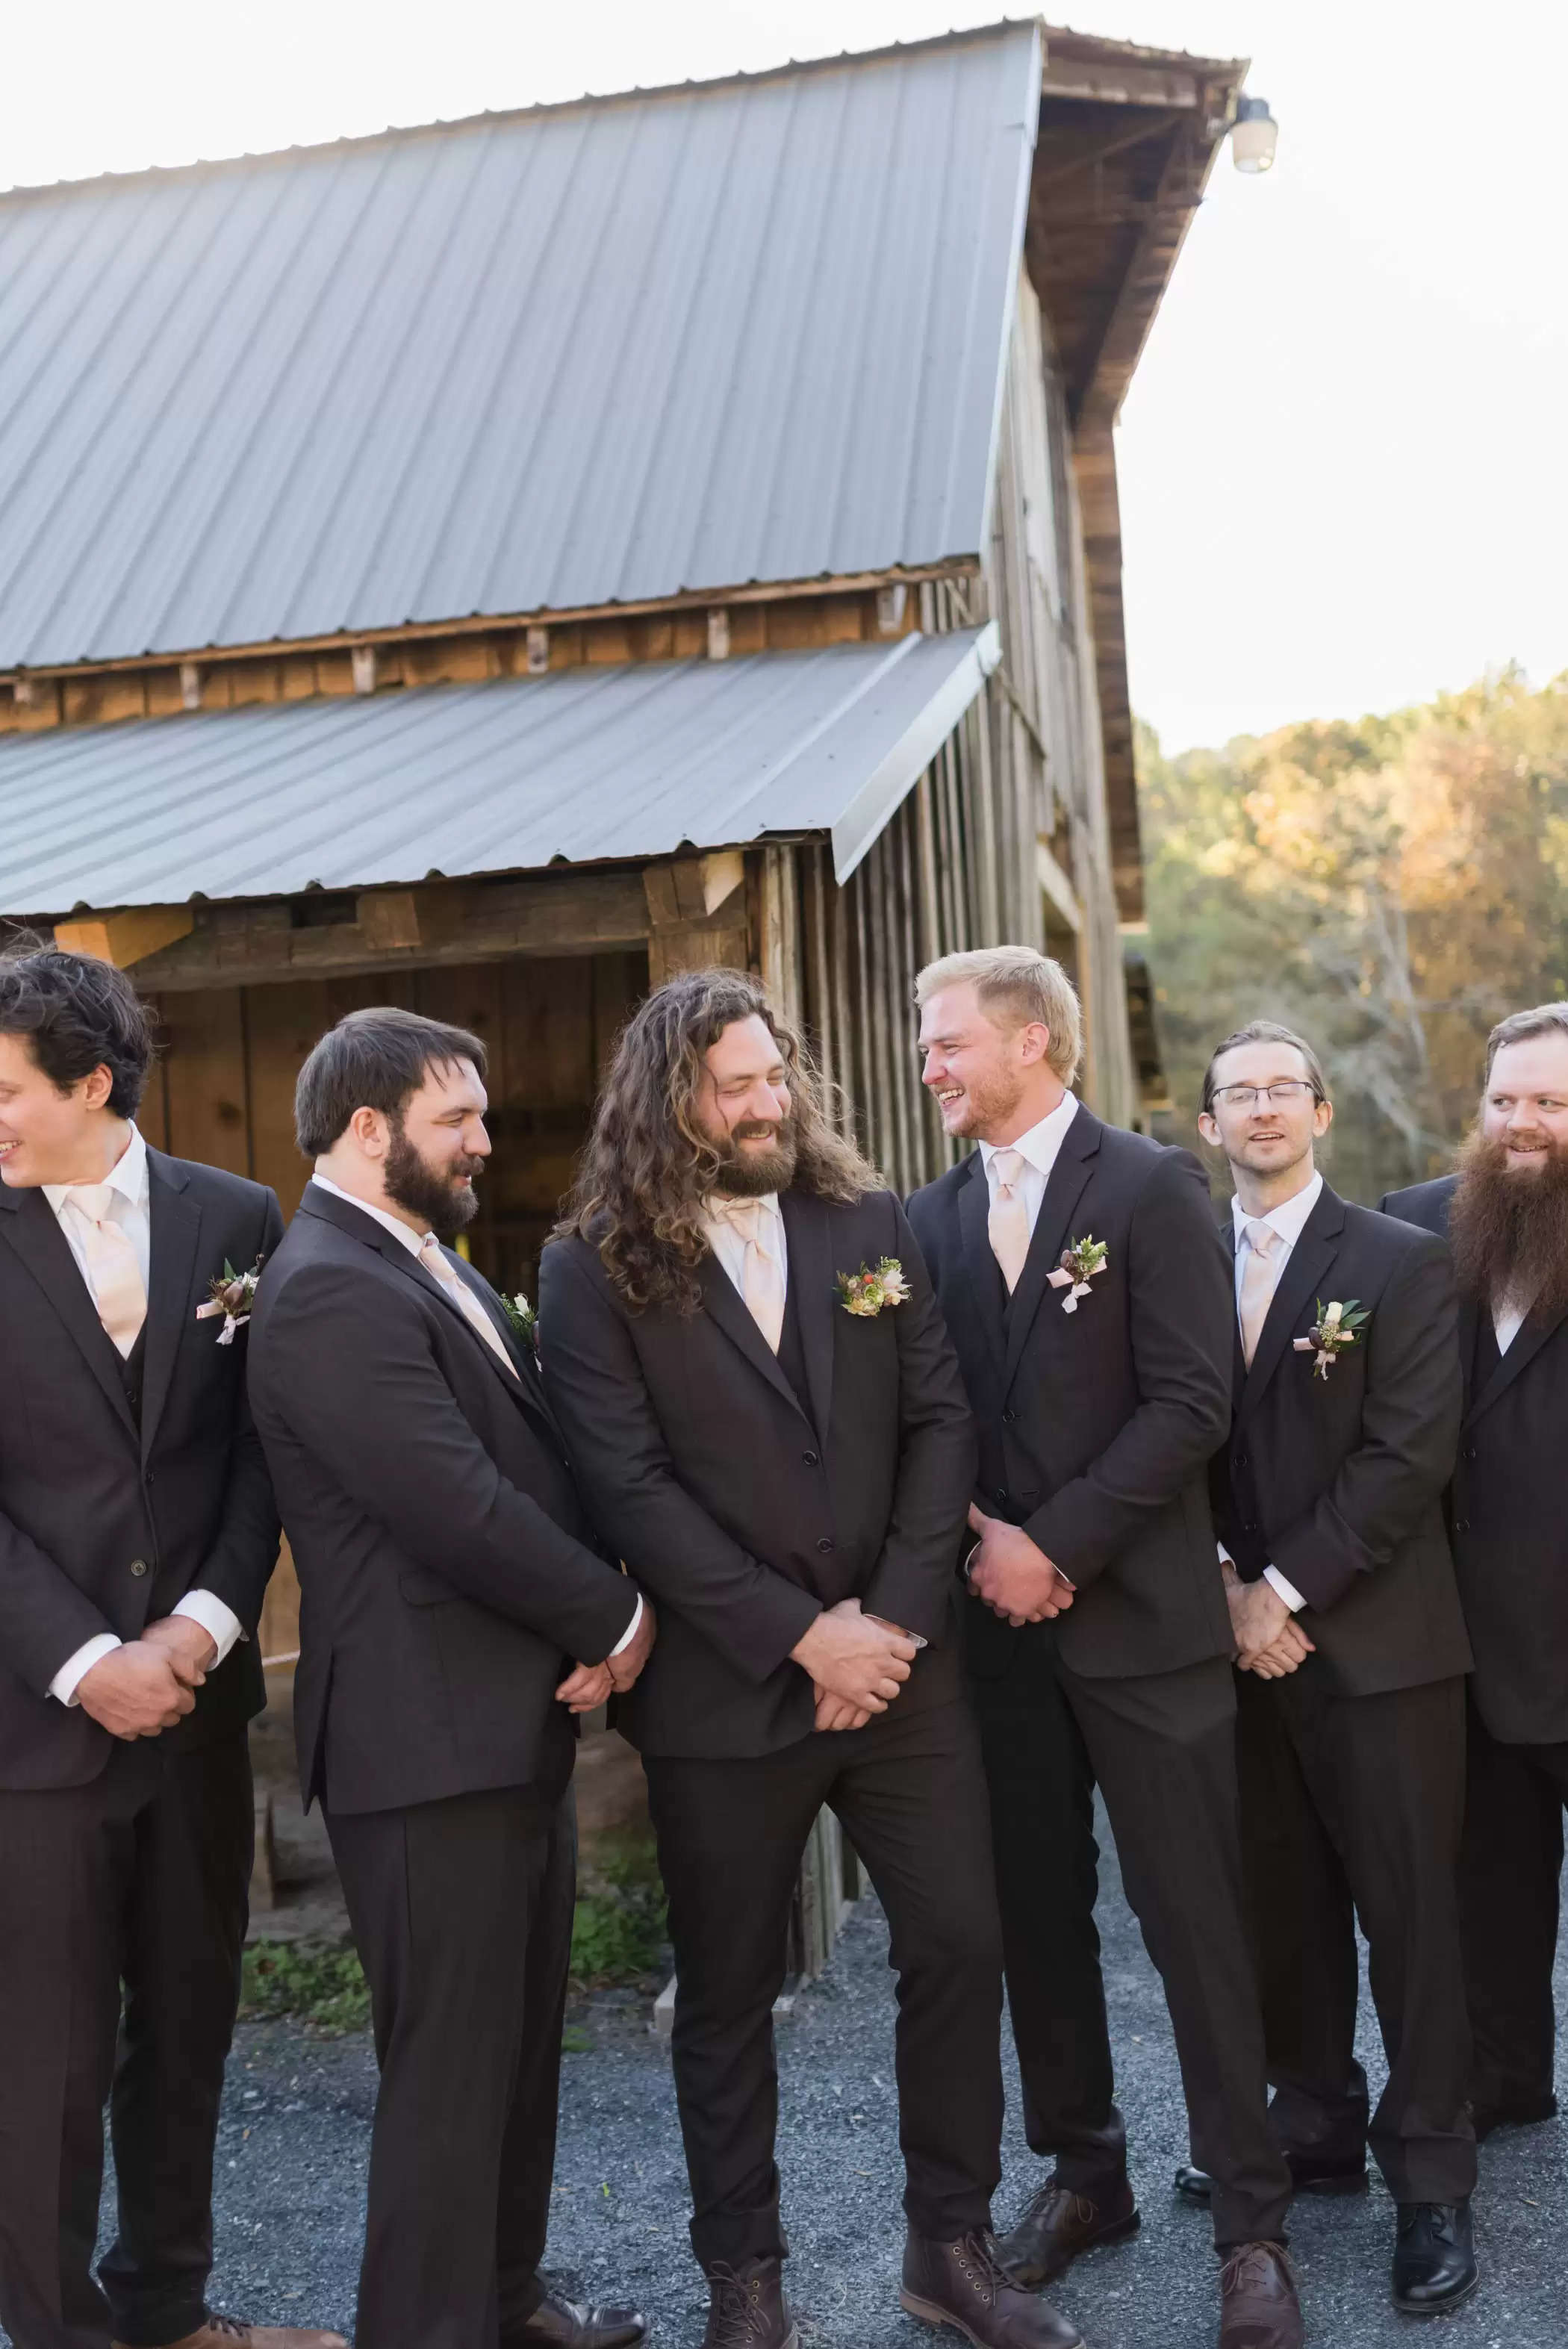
(864, 1293)
(1079, 1263)
(1337, 1328)
(523, 1317)
(232, 1294)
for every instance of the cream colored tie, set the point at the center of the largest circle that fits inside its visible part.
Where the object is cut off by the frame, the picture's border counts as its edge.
(1008, 1222)
(762, 1275)
(1259, 1275)
(114, 1274)
(433, 1262)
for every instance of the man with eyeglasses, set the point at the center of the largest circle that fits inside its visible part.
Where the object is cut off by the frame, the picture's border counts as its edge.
(1351, 1655)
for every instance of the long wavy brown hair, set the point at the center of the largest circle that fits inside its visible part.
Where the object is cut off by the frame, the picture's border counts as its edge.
(648, 1168)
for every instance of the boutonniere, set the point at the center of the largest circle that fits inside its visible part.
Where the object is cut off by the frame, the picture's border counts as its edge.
(1336, 1329)
(864, 1293)
(232, 1294)
(1079, 1265)
(523, 1317)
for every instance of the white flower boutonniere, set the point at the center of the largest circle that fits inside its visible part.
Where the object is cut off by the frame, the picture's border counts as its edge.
(1336, 1329)
(523, 1317)
(232, 1294)
(864, 1293)
(1080, 1263)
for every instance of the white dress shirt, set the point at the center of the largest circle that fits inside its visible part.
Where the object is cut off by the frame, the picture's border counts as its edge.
(1508, 1318)
(414, 1242)
(1289, 1221)
(1039, 1149)
(728, 1244)
(132, 1211)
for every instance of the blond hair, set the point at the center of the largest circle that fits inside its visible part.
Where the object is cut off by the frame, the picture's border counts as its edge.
(1017, 988)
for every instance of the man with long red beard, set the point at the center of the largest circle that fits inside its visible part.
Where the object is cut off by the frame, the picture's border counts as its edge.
(1505, 1214)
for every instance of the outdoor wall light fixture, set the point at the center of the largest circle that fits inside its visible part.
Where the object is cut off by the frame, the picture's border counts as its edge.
(1254, 135)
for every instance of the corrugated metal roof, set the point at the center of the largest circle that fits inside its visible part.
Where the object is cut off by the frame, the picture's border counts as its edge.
(585, 764)
(601, 353)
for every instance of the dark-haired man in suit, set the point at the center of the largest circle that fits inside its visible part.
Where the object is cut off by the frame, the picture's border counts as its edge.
(1328, 1504)
(1505, 1215)
(761, 1399)
(136, 1535)
(455, 1616)
(1088, 1296)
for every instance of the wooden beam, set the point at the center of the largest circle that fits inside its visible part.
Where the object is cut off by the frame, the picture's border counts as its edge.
(129, 937)
(249, 945)
(1057, 887)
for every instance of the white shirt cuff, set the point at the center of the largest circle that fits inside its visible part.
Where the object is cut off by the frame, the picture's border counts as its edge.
(1287, 1590)
(630, 1632)
(202, 1607)
(76, 1668)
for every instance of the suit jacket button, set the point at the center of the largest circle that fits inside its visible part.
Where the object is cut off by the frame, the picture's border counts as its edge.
(1469, 1451)
(1002, 1495)
(809, 1458)
(1461, 1525)
(825, 1542)
(1008, 1417)
(1241, 1460)
(138, 1565)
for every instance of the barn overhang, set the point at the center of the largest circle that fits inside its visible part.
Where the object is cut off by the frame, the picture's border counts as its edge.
(584, 766)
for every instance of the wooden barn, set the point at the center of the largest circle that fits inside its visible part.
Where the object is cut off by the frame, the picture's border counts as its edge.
(491, 565)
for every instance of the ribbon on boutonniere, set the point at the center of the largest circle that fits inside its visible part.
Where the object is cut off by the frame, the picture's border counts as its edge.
(232, 1294)
(864, 1293)
(1337, 1328)
(1080, 1263)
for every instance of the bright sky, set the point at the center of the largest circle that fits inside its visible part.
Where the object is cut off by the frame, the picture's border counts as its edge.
(1344, 458)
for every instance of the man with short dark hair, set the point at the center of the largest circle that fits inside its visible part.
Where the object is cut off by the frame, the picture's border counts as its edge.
(763, 1405)
(1505, 1215)
(1328, 1504)
(136, 1535)
(1088, 1298)
(455, 1616)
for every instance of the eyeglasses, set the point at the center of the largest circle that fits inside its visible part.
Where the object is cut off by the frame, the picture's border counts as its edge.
(1289, 1088)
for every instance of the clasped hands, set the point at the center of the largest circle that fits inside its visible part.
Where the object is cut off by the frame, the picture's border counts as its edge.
(1013, 1575)
(588, 1686)
(146, 1686)
(857, 1665)
(1269, 1639)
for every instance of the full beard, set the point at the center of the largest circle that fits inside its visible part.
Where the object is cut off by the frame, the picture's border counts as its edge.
(1509, 1231)
(754, 1174)
(428, 1192)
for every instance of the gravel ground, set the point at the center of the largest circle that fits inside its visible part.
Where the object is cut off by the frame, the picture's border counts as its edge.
(291, 2178)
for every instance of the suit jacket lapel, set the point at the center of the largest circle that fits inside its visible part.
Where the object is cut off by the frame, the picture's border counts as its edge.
(529, 1383)
(1299, 1283)
(175, 1219)
(1529, 1339)
(1053, 1226)
(984, 1289)
(1238, 1359)
(809, 1236)
(32, 1229)
(724, 1304)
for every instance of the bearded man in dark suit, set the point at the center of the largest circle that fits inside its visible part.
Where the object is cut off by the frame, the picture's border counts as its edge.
(765, 1413)
(1090, 1299)
(1505, 1216)
(137, 1534)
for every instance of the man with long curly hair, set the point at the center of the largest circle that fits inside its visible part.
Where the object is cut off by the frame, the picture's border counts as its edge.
(767, 1419)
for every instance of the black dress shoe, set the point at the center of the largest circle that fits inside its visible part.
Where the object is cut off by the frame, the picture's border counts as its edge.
(965, 2285)
(1308, 2176)
(568, 2324)
(1058, 2224)
(1434, 2258)
(1524, 2111)
(746, 2308)
(1258, 2303)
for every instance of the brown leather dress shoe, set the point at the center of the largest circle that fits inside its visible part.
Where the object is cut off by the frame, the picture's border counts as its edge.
(1258, 2306)
(234, 2332)
(965, 2285)
(1057, 2225)
(558, 2324)
(747, 2308)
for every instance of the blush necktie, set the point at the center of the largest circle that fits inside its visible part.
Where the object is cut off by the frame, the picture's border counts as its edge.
(473, 1312)
(762, 1275)
(1008, 1225)
(1260, 1275)
(114, 1274)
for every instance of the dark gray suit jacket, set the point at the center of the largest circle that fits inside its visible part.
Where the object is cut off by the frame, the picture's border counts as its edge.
(104, 1526)
(1506, 1515)
(448, 1575)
